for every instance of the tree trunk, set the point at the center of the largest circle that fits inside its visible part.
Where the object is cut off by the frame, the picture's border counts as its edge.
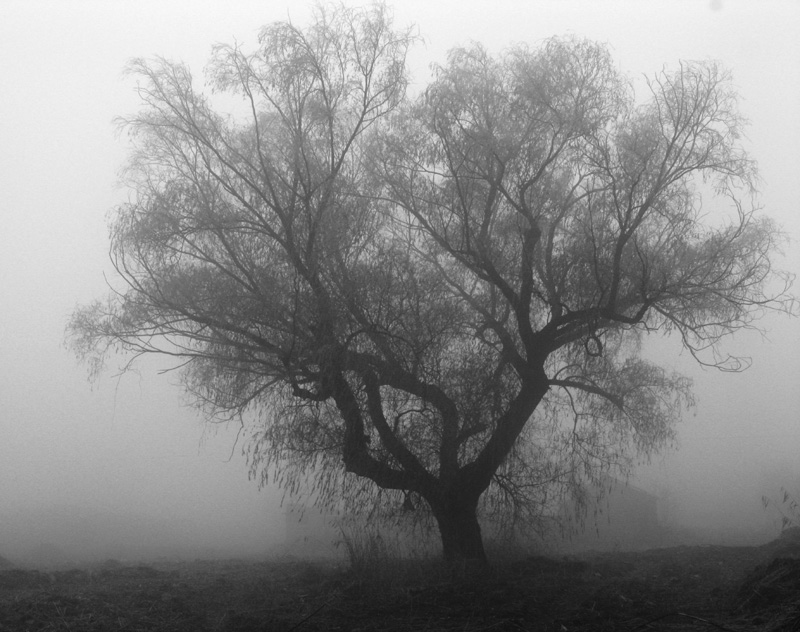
(461, 533)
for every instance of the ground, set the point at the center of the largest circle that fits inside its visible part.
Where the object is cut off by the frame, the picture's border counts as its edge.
(681, 588)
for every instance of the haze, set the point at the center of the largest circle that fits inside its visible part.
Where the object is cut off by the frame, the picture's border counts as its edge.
(123, 468)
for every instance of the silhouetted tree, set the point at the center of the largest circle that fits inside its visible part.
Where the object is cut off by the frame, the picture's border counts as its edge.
(444, 296)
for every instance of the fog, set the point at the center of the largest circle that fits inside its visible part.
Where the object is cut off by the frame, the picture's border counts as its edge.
(124, 468)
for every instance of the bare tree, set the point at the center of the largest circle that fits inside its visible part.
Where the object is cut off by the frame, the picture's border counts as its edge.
(440, 298)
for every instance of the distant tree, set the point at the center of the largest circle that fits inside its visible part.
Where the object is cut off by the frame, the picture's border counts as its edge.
(439, 298)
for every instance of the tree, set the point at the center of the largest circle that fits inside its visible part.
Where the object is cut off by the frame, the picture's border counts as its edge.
(440, 298)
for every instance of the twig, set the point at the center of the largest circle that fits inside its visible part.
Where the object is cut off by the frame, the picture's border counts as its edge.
(297, 625)
(688, 616)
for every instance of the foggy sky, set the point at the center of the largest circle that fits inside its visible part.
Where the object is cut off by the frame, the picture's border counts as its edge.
(128, 445)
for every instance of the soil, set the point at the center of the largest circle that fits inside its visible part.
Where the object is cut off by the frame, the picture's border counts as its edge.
(682, 588)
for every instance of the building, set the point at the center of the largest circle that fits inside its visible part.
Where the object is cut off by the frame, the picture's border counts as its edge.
(615, 516)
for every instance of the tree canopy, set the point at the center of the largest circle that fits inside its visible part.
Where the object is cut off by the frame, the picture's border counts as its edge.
(442, 295)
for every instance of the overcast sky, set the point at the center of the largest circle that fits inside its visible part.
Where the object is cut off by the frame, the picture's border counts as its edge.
(128, 444)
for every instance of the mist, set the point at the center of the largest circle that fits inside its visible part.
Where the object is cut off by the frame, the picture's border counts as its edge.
(124, 467)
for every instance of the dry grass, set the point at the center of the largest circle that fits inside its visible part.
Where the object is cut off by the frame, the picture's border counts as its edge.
(386, 588)
(382, 566)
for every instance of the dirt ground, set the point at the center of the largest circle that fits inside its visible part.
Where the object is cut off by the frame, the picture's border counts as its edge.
(682, 588)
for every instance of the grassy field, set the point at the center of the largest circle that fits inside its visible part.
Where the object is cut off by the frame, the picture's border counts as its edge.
(680, 588)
